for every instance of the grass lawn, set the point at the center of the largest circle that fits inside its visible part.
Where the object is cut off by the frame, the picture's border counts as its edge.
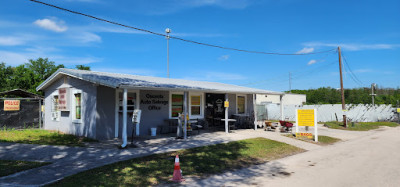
(45, 137)
(360, 126)
(200, 161)
(8, 167)
(322, 140)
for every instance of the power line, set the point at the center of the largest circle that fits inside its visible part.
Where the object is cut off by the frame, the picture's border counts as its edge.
(354, 77)
(283, 80)
(292, 71)
(173, 37)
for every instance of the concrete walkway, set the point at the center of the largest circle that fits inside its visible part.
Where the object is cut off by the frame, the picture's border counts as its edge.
(67, 161)
(372, 159)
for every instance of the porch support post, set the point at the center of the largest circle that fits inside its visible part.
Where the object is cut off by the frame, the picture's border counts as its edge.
(40, 113)
(185, 108)
(124, 118)
(255, 111)
(281, 103)
(116, 122)
(226, 115)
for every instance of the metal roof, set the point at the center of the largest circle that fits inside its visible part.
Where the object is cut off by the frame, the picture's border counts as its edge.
(116, 80)
(20, 93)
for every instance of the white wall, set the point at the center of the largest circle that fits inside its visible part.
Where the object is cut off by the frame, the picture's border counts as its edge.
(288, 99)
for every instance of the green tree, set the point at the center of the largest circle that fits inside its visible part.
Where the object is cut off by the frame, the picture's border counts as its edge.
(6, 73)
(82, 67)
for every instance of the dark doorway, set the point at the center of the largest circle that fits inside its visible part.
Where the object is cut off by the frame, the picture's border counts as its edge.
(215, 110)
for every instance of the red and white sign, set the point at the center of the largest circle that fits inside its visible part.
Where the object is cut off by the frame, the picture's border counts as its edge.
(63, 99)
(11, 105)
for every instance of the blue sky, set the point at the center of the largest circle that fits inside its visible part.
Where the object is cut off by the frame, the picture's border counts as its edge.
(367, 31)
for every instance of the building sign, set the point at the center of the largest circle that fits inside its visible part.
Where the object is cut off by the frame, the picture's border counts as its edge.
(226, 104)
(302, 134)
(306, 117)
(11, 105)
(154, 102)
(63, 99)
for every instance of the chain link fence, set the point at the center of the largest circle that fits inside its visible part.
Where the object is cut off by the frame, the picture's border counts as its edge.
(27, 117)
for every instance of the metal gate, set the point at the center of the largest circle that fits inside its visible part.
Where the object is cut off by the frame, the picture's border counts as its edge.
(29, 114)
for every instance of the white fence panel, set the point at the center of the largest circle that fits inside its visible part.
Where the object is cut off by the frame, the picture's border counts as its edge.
(333, 112)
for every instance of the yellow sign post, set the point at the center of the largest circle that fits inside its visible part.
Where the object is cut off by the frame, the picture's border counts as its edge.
(398, 110)
(11, 105)
(303, 134)
(226, 104)
(307, 117)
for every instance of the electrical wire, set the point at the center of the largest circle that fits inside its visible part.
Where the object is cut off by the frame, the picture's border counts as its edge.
(352, 75)
(173, 37)
(300, 69)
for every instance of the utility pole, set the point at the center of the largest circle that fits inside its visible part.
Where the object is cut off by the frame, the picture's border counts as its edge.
(373, 85)
(290, 82)
(341, 89)
(167, 30)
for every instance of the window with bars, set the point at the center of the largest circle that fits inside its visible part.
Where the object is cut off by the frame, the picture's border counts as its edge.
(195, 105)
(176, 104)
(78, 105)
(241, 104)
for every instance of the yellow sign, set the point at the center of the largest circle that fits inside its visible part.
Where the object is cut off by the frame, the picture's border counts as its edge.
(301, 134)
(398, 110)
(226, 104)
(306, 117)
(11, 105)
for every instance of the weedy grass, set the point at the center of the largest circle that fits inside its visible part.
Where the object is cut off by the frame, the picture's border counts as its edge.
(360, 126)
(44, 137)
(200, 161)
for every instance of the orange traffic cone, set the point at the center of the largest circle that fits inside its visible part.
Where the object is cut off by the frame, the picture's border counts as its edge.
(177, 177)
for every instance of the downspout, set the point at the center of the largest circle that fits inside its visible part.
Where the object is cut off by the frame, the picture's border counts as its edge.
(226, 114)
(124, 119)
(281, 103)
(185, 106)
(116, 122)
(255, 111)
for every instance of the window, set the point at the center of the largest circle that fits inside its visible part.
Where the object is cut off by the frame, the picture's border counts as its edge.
(55, 113)
(241, 104)
(77, 106)
(130, 102)
(195, 105)
(78, 109)
(176, 104)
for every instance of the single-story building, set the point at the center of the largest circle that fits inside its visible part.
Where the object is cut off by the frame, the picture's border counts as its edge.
(100, 105)
(288, 99)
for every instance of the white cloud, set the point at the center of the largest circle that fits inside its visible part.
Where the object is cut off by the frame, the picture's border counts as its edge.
(157, 7)
(305, 50)
(13, 59)
(216, 76)
(86, 37)
(17, 58)
(363, 70)
(68, 60)
(18, 39)
(227, 4)
(84, 1)
(224, 57)
(11, 41)
(132, 71)
(51, 24)
(311, 62)
(353, 46)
